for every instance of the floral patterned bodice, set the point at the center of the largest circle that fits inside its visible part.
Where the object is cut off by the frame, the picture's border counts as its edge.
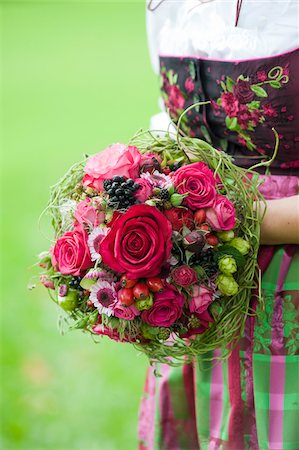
(248, 98)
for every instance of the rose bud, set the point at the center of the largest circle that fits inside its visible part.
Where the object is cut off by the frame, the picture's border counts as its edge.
(241, 245)
(227, 285)
(176, 199)
(69, 300)
(194, 242)
(150, 165)
(125, 296)
(226, 236)
(227, 265)
(140, 291)
(211, 239)
(145, 304)
(199, 217)
(47, 282)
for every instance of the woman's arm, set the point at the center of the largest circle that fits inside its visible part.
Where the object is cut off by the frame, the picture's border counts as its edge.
(281, 221)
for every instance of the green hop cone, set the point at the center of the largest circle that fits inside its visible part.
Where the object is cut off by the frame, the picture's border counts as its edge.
(241, 245)
(163, 334)
(227, 265)
(170, 189)
(176, 199)
(69, 301)
(227, 285)
(226, 236)
(147, 303)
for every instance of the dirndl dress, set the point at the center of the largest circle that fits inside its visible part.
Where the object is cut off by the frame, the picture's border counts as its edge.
(250, 400)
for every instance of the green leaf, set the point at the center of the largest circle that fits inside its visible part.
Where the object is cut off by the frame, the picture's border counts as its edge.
(205, 133)
(192, 70)
(223, 85)
(259, 91)
(218, 101)
(275, 84)
(230, 84)
(255, 104)
(231, 123)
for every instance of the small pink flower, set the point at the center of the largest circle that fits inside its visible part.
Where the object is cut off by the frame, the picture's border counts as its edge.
(255, 117)
(175, 100)
(269, 110)
(103, 295)
(125, 312)
(241, 141)
(189, 85)
(222, 216)
(201, 298)
(94, 240)
(261, 75)
(243, 116)
(145, 190)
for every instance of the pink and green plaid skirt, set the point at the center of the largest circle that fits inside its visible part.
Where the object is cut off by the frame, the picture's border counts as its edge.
(251, 400)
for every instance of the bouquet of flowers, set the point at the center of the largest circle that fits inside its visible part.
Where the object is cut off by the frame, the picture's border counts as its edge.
(155, 244)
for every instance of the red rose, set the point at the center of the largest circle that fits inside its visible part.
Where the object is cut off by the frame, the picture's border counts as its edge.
(180, 217)
(138, 243)
(184, 276)
(196, 180)
(71, 253)
(243, 92)
(167, 308)
(222, 216)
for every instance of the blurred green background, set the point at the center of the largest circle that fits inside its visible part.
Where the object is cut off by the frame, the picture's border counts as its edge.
(76, 77)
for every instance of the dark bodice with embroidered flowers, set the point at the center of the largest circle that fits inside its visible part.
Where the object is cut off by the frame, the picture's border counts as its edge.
(248, 99)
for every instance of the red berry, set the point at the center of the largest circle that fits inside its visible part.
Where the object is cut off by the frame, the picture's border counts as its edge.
(200, 216)
(140, 291)
(155, 284)
(212, 239)
(89, 304)
(125, 296)
(204, 227)
(126, 282)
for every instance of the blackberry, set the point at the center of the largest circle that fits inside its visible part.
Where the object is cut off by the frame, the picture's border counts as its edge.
(121, 192)
(176, 166)
(107, 184)
(164, 194)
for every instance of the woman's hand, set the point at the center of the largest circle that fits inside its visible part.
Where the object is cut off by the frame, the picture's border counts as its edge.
(281, 221)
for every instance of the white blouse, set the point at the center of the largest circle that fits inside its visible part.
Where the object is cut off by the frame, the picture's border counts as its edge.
(206, 28)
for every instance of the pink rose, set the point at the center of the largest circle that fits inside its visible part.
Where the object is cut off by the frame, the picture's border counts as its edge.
(175, 100)
(145, 190)
(167, 308)
(139, 242)
(230, 104)
(222, 216)
(201, 298)
(196, 180)
(189, 85)
(114, 160)
(71, 253)
(112, 333)
(86, 213)
(125, 312)
(184, 276)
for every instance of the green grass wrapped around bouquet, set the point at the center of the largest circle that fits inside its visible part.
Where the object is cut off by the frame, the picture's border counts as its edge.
(229, 312)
